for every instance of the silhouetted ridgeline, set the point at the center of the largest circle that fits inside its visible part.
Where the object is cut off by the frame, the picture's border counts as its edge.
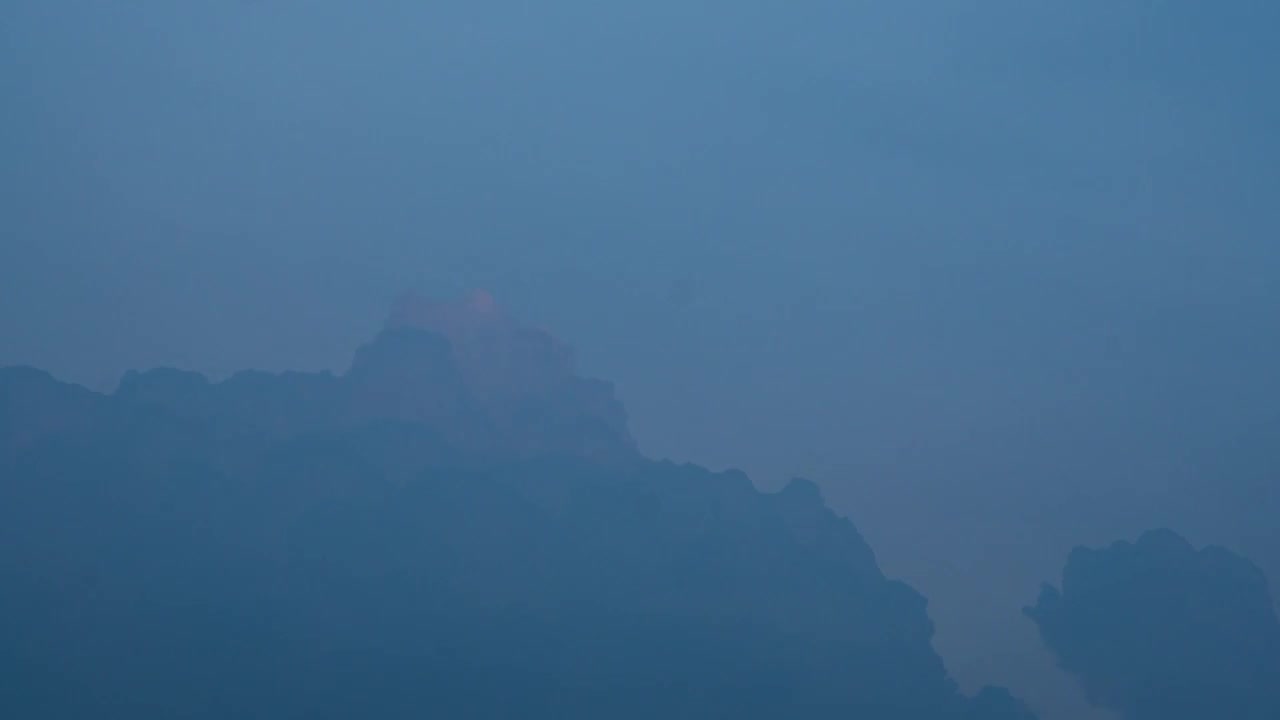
(1160, 631)
(459, 526)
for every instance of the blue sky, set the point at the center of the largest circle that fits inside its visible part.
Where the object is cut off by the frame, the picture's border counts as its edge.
(999, 276)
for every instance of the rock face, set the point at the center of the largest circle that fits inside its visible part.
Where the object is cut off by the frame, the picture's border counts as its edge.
(1159, 630)
(435, 533)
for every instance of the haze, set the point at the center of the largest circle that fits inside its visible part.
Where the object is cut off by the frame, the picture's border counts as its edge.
(1000, 277)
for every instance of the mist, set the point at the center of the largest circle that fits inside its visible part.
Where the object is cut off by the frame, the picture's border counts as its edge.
(999, 278)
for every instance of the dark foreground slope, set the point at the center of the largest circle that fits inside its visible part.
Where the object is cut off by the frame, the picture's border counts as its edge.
(1160, 631)
(416, 539)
